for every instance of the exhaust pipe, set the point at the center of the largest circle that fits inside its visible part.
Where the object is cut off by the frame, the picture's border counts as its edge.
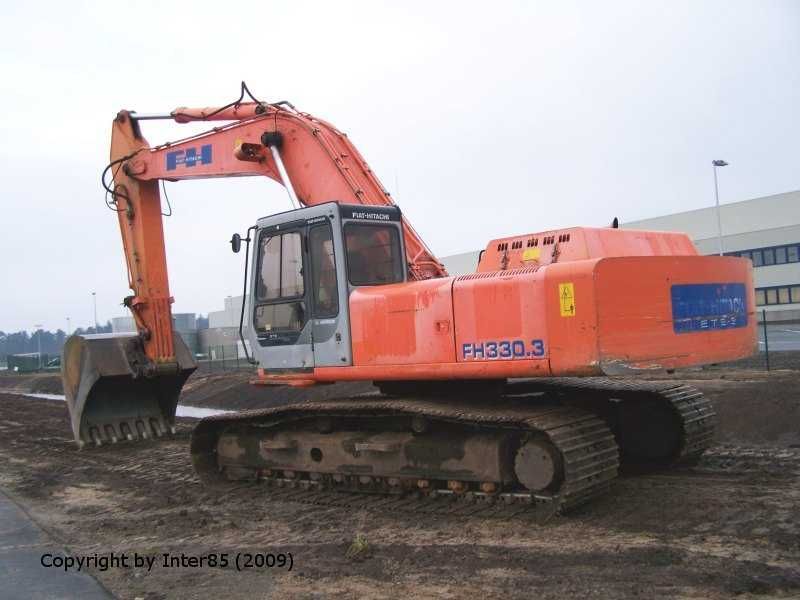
(115, 392)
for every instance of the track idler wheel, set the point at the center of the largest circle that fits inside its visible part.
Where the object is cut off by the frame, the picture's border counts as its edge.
(538, 465)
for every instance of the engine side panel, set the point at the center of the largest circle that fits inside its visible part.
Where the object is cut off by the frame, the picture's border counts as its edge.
(403, 324)
(500, 316)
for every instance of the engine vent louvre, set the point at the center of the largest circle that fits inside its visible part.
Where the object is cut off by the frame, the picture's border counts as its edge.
(491, 274)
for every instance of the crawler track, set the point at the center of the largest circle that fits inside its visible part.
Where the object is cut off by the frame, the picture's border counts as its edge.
(595, 423)
(585, 443)
(691, 413)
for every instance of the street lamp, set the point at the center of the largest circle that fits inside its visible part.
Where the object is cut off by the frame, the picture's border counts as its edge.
(69, 327)
(94, 301)
(715, 164)
(39, 340)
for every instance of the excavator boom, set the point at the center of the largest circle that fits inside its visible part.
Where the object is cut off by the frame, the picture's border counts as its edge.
(312, 159)
(318, 161)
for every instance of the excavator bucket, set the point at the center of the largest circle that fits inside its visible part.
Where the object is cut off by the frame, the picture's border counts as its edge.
(115, 392)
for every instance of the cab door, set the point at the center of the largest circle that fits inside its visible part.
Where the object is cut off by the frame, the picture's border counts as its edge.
(281, 334)
(327, 281)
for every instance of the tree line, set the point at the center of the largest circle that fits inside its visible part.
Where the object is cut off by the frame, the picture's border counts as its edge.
(22, 342)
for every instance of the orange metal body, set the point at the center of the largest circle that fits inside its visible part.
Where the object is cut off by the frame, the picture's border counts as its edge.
(406, 323)
(579, 301)
(621, 321)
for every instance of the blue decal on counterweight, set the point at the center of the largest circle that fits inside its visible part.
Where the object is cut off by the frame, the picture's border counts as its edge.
(706, 306)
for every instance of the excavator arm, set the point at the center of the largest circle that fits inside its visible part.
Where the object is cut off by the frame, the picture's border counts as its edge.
(316, 162)
(127, 386)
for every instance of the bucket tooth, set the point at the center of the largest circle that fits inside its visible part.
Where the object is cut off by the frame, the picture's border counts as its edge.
(94, 433)
(157, 431)
(141, 428)
(111, 433)
(127, 431)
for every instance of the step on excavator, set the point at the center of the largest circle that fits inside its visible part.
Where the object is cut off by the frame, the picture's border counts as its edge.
(503, 384)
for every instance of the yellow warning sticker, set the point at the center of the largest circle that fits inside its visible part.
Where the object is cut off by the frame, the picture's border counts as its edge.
(566, 298)
(531, 254)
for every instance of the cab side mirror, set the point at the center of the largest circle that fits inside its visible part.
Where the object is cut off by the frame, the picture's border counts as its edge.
(236, 242)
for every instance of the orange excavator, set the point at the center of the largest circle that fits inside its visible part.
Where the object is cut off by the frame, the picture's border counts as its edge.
(498, 384)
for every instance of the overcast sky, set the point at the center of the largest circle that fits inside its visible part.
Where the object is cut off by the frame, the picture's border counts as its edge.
(483, 120)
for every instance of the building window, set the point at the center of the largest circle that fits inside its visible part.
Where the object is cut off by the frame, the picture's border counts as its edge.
(784, 294)
(766, 257)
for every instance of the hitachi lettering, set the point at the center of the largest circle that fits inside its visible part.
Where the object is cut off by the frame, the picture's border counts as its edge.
(189, 157)
(708, 306)
(372, 216)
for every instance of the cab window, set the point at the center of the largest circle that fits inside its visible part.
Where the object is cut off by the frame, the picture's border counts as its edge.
(323, 272)
(373, 254)
(284, 316)
(280, 287)
(281, 267)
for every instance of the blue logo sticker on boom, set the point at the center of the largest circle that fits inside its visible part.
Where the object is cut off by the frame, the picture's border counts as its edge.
(189, 157)
(707, 306)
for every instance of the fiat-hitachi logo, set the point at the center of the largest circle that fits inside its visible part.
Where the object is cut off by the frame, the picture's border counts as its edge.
(189, 157)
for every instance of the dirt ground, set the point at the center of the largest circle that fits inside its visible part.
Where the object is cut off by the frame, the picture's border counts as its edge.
(753, 405)
(729, 526)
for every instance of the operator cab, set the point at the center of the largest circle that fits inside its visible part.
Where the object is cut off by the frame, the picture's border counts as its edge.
(305, 263)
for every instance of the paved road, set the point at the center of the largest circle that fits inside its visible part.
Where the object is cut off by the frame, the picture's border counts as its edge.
(22, 544)
(780, 336)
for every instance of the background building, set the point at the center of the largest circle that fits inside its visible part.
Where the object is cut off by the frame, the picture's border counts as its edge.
(221, 339)
(217, 342)
(185, 324)
(765, 230)
(122, 325)
(462, 264)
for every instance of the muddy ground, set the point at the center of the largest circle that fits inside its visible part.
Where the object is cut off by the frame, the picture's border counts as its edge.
(729, 526)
